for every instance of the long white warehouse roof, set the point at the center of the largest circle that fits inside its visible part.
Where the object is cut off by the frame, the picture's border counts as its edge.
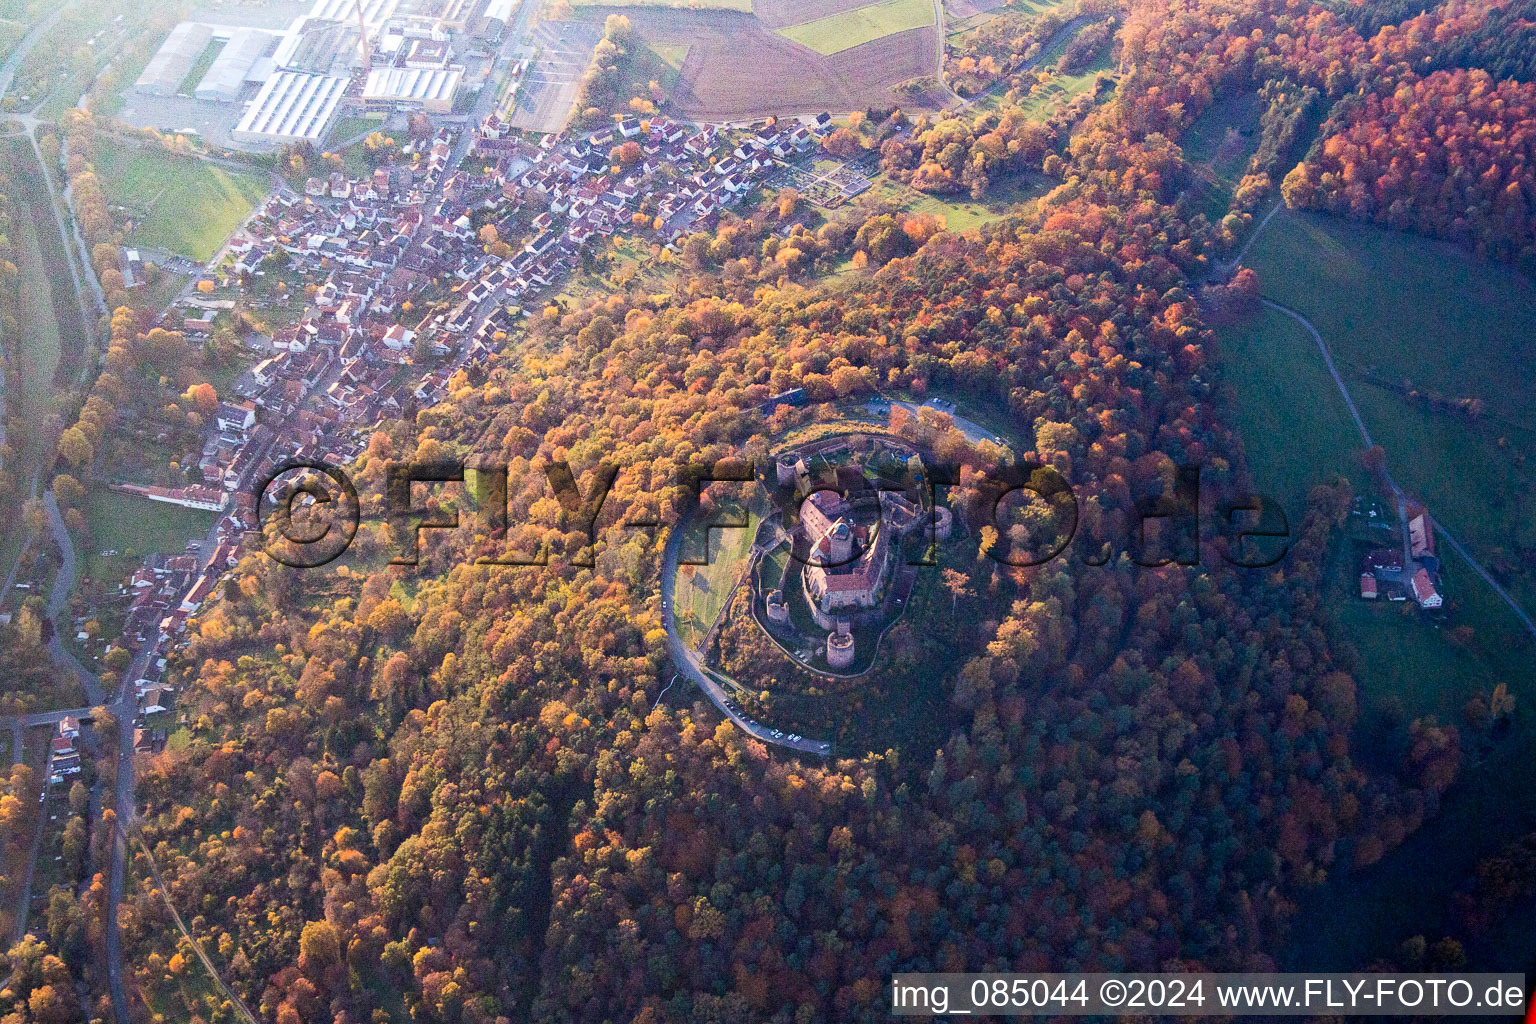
(375, 12)
(228, 71)
(414, 84)
(501, 10)
(293, 105)
(175, 58)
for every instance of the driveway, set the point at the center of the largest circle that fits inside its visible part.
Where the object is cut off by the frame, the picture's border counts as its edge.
(691, 664)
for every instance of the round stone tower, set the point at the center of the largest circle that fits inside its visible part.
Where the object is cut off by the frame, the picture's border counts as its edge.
(941, 525)
(839, 649)
(778, 611)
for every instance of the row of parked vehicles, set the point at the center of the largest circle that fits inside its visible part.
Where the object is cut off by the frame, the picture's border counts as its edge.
(776, 734)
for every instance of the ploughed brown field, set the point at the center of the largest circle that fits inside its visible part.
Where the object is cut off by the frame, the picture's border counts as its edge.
(960, 9)
(738, 67)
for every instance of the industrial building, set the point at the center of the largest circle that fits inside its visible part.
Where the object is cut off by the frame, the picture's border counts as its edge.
(375, 12)
(321, 48)
(429, 90)
(291, 106)
(175, 59)
(237, 65)
(498, 15)
(427, 54)
(456, 15)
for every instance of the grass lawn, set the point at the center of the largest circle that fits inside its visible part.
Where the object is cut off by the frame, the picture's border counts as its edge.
(1274, 367)
(34, 745)
(1407, 306)
(964, 213)
(1384, 300)
(1298, 433)
(63, 97)
(134, 527)
(186, 205)
(670, 54)
(1063, 89)
(838, 32)
(1404, 312)
(651, 62)
(1219, 145)
(961, 212)
(345, 128)
(39, 345)
(702, 590)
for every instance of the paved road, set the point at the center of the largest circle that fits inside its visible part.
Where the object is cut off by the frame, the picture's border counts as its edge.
(8, 69)
(691, 664)
(938, 67)
(1238, 259)
(974, 432)
(24, 900)
(36, 718)
(79, 253)
(7, 74)
(124, 710)
(58, 602)
(124, 809)
(1477, 567)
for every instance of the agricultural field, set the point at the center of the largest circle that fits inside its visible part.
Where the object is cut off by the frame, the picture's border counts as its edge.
(730, 65)
(742, 6)
(837, 32)
(184, 205)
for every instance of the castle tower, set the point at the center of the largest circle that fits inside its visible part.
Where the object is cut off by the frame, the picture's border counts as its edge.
(840, 543)
(941, 525)
(778, 611)
(839, 649)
